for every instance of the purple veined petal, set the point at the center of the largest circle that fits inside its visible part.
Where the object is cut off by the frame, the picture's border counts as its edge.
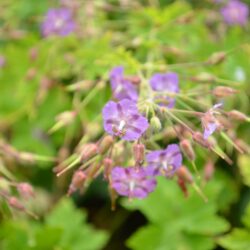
(58, 22)
(164, 162)
(123, 119)
(209, 129)
(132, 182)
(168, 82)
(121, 87)
(235, 12)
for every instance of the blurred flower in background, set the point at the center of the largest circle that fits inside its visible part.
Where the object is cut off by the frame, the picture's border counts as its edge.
(235, 12)
(58, 22)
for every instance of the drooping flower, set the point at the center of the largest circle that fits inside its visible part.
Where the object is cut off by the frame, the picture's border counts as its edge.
(209, 122)
(168, 83)
(164, 162)
(235, 12)
(58, 22)
(132, 182)
(124, 120)
(121, 87)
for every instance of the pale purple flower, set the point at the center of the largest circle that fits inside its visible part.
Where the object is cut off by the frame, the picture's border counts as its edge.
(124, 120)
(132, 182)
(58, 22)
(164, 162)
(209, 122)
(2, 61)
(121, 87)
(235, 12)
(168, 83)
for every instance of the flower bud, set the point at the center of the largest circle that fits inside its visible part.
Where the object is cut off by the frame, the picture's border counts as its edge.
(15, 203)
(25, 190)
(216, 58)
(139, 153)
(77, 181)
(237, 115)
(33, 54)
(93, 170)
(185, 174)
(108, 165)
(66, 117)
(242, 145)
(187, 149)
(88, 151)
(105, 144)
(209, 170)
(222, 91)
(198, 137)
(136, 80)
(155, 123)
(31, 73)
(204, 78)
(183, 186)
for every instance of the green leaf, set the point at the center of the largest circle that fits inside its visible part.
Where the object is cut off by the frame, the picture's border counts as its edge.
(244, 162)
(175, 221)
(76, 235)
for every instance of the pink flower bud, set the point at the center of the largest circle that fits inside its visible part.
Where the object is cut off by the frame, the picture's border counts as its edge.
(88, 151)
(222, 91)
(108, 165)
(106, 144)
(139, 152)
(209, 170)
(15, 203)
(187, 149)
(185, 174)
(25, 190)
(198, 137)
(237, 115)
(77, 181)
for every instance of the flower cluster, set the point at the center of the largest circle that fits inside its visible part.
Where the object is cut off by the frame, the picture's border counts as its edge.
(130, 120)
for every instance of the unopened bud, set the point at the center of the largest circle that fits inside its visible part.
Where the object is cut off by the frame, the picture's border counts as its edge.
(108, 165)
(66, 117)
(15, 203)
(105, 144)
(216, 58)
(242, 145)
(183, 186)
(204, 78)
(198, 137)
(237, 115)
(139, 153)
(136, 80)
(88, 151)
(25, 190)
(222, 91)
(31, 73)
(185, 174)
(33, 53)
(77, 181)
(155, 123)
(93, 170)
(209, 170)
(187, 149)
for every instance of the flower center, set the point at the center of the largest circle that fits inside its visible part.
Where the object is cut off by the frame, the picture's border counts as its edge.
(59, 23)
(122, 125)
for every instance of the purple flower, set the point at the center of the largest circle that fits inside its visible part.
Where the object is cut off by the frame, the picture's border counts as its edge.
(168, 82)
(2, 61)
(235, 12)
(58, 22)
(209, 122)
(164, 162)
(124, 120)
(121, 87)
(132, 182)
